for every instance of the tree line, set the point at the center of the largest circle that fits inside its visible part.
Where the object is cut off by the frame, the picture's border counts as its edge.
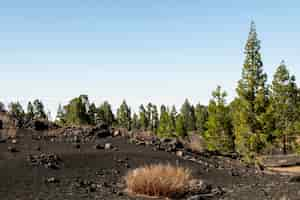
(262, 118)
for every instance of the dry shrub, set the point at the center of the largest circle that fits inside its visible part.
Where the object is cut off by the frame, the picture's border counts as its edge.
(195, 143)
(8, 133)
(158, 180)
(144, 136)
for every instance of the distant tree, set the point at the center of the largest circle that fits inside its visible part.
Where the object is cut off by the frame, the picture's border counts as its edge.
(135, 122)
(16, 111)
(149, 116)
(76, 112)
(61, 115)
(154, 119)
(173, 116)
(2, 107)
(49, 117)
(187, 111)
(124, 116)
(105, 114)
(219, 136)
(180, 128)
(166, 128)
(252, 101)
(143, 118)
(284, 103)
(201, 114)
(92, 112)
(39, 110)
(30, 111)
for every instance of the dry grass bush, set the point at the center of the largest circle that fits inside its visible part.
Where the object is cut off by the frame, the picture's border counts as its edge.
(8, 133)
(144, 136)
(195, 143)
(158, 180)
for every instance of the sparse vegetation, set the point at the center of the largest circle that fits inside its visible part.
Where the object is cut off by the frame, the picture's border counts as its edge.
(158, 180)
(261, 118)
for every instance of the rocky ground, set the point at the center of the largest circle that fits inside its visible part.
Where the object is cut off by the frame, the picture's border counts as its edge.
(81, 164)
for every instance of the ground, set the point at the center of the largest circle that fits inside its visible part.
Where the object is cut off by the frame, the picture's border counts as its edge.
(85, 172)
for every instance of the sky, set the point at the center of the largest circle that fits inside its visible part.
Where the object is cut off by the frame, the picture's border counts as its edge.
(161, 51)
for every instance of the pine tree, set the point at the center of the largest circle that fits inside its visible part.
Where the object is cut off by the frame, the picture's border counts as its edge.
(135, 122)
(201, 114)
(219, 136)
(284, 104)
(173, 116)
(143, 120)
(187, 111)
(180, 128)
(104, 114)
(39, 110)
(16, 110)
(76, 112)
(252, 100)
(30, 111)
(60, 116)
(124, 116)
(149, 116)
(154, 119)
(92, 113)
(166, 128)
(2, 107)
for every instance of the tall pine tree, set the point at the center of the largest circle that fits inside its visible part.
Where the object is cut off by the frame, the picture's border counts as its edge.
(284, 104)
(252, 100)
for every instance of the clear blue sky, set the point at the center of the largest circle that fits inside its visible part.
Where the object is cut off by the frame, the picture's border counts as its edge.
(160, 50)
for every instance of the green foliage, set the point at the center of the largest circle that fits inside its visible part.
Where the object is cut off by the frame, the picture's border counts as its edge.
(173, 115)
(76, 112)
(135, 122)
(187, 111)
(252, 101)
(149, 117)
(201, 114)
(284, 105)
(143, 120)
(219, 136)
(39, 110)
(258, 119)
(16, 110)
(30, 111)
(104, 114)
(61, 115)
(124, 116)
(181, 130)
(79, 111)
(92, 112)
(154, 119)
(166, 126)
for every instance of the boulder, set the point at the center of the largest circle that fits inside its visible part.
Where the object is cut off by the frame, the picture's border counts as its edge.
(99, 146)
(12, 149)
(51, 180)
(179, 153)
(107, 146)
(117, 133)
(295, 179)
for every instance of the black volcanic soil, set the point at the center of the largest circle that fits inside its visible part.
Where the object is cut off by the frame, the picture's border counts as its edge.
(90, 173)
